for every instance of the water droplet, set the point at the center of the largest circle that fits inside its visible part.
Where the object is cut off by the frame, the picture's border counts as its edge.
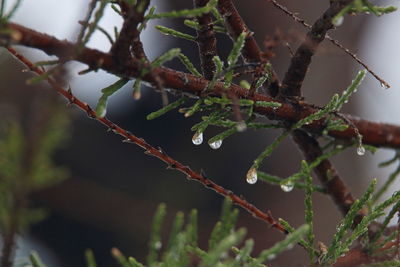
(157, 245)
(251, 176)
(290, 246)
(346, 101)
(241, 126)
(287, 187)
(384, 85)
(355, 90)
(271, 257)
(215, 145)
(197, 138)
(360, 151)
(338, 21)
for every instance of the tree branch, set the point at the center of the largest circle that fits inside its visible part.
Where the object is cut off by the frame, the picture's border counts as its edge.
(326, 173)
(206, 41)
(251, 51)
(375, 134)
(152, 151)
(301, 60)
(129, 35)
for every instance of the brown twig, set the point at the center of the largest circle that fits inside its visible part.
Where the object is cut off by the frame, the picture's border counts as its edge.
(309, 146)
(375, 134)
(152, 151)
(251, 51)
(300, 62)
(326, 173)
(129, 41)
(206, 41)
(332, 40)
(85, 24)
(129, 34)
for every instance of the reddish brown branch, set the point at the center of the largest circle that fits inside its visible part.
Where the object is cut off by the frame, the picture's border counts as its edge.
(309, 146)
(376, 134)
(333, 41)
(206, 41)
(152, 151)
(129, 35)
(300, 62)
(325, 171)
(251, 51)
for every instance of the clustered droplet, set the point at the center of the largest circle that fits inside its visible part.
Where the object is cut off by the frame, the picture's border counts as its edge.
(197, 138)
(215, 145)
(287, 187)
(251, 176)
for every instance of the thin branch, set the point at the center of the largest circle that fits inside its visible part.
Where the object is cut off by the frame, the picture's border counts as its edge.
(332, 40)
(251, 51)
(326, 173)
(152, 151)
(85, 24)
(129, 33)
(300, 63)
(309, 146)
(374, 133)
(206, 41)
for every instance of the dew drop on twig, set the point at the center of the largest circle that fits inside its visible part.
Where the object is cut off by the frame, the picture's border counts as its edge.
(215, 145)
(251, 176)
(197, 138)
(384, 85)
(287, 187)
(360, 150)
(339, 21)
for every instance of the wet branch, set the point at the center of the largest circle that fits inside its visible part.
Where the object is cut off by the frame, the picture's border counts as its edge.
(374, 133)
(152, 151)
(325, 171)
(251, 51)
(301, 60)
(206, 41)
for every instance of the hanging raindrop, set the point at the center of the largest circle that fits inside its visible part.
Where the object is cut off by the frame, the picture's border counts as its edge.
(287, 187)
(251, 176)
(360, 151)
(384, 85)
(197, 138)
(338, 21)
(215, 145)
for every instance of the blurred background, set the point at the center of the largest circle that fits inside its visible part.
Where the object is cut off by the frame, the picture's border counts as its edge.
(113, 189)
